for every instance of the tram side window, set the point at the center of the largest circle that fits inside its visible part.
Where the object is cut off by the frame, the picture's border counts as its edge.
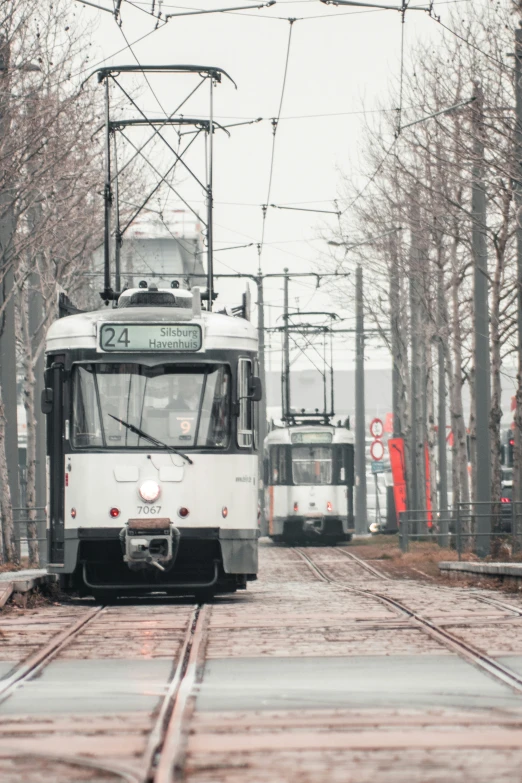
(246, 419)
(279, 466)
(344, 465)
(213, 425)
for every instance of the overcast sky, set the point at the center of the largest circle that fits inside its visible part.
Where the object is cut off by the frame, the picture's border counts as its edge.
(342, 62)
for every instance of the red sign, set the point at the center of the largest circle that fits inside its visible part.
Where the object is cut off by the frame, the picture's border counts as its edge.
(377, 429)
(388, 423)
(398, 469)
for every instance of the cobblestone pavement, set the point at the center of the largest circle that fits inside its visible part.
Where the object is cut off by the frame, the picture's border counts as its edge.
(304, 680)
(307, 681)
(88, 715)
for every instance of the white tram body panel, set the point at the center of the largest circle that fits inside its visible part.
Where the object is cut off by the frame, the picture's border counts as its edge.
(309, 482)
(152, 453)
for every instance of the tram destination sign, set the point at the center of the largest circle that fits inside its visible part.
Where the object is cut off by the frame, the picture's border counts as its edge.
(136, 338)
(311, 437)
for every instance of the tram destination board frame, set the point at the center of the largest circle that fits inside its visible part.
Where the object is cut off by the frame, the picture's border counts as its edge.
(125, 337)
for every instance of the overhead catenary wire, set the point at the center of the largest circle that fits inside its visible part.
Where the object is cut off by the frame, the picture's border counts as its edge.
(275, 122)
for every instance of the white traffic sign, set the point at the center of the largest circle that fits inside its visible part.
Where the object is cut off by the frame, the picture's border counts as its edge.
(377, 450)
(377, 429)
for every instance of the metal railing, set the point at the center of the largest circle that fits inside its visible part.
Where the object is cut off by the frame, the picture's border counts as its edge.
(463, 527)
(21, 520)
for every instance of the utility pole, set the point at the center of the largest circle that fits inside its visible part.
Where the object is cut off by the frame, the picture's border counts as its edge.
(286, 350)
(394, 338)
(360, 418)
(481, 330)
(442, 453)
(35, 329)
(413, 495)
(262, 375)
(517, 176)
(7, 321)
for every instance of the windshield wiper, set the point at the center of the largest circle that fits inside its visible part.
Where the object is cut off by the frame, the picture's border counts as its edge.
(151, 438)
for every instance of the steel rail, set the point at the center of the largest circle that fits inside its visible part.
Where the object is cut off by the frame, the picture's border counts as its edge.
(467, 651)
(363, 564)
(172, 752)
(485, 599)
(79, 762)
(157, 735)
(500, 604)
(41, 657)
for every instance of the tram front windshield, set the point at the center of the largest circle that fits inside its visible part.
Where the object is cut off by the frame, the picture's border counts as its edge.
(312, 465)
(181, 406)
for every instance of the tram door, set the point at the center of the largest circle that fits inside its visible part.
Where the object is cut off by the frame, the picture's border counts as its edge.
(52, 405)
(344, 472)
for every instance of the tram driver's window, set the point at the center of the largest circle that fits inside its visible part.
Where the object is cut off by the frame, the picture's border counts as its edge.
(86, 430)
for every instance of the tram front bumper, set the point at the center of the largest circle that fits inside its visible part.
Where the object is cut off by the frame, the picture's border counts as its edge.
(236, 549)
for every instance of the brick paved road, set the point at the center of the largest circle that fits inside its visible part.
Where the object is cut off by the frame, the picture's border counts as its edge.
(307, 682)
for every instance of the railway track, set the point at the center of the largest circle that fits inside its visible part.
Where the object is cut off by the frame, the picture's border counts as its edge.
(162, 760)
(39, 659)
(469, 652)
(172, 735)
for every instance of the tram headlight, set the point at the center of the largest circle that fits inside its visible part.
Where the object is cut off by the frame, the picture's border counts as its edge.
(149, 491)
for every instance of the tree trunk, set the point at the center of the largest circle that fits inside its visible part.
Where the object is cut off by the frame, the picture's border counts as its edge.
(6, 507)
(29, 387)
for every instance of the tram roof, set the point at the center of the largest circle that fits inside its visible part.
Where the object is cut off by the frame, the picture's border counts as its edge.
(282, 435)
(221, 331)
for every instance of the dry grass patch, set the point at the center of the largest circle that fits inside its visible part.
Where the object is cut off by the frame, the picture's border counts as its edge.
(421, 562)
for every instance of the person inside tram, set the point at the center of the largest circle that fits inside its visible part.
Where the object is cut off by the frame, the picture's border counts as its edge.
(187, 393)
(158, 392)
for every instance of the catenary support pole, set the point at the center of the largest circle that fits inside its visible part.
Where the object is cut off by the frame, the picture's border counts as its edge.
(210, 201)
(481, 330)
(286, 350)
(360, 418)
(262, 404)
(413, 494)
(442, 452)
(107, 198)
(395, 343)
(36, 330)
(117, 232)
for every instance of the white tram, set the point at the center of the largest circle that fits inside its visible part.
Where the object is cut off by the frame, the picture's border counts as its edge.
(309, 478)
(152, 452)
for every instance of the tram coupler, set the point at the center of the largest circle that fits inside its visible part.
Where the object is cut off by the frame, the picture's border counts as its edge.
(150, 542)
(314, 526)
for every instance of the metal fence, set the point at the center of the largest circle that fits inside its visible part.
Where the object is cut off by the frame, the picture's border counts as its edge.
(20, 519)
(468, 526)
